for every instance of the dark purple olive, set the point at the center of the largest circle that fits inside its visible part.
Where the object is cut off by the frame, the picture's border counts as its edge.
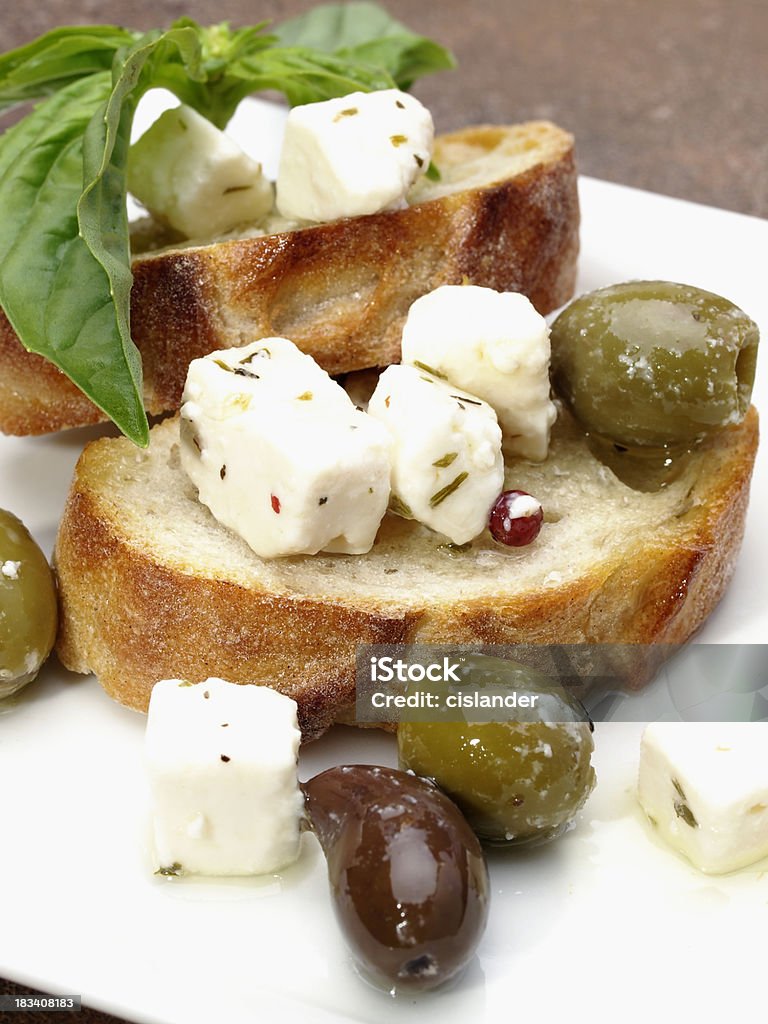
(407, 874)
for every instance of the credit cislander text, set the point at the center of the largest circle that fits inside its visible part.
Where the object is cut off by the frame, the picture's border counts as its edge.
(454, 701)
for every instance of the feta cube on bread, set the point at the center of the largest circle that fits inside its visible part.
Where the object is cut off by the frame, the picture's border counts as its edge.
(280, 455)
(447, 467)
(222, 769)
(496, 345)
(704, 786)
(352, 155)
(194, 177)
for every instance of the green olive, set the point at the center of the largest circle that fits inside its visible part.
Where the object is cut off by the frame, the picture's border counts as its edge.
(27, 606)
(518, 782)
(653, 363)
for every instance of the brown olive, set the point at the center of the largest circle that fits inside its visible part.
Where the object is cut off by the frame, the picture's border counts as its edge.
(408, 878)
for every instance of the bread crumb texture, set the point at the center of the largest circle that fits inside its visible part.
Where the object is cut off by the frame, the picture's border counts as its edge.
(152, 586)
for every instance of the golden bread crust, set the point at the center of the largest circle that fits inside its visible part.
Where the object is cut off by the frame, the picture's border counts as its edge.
(137, 606)
(506, 215)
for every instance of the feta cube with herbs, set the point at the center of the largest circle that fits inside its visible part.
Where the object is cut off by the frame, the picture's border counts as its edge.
(191, 175)
(221, 760)
(447, 466)
(353, 155)
(280, 455)
(494, 344)
(704, 787)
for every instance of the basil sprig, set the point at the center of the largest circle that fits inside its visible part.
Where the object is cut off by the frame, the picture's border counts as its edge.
(65, 268)
(364, 32)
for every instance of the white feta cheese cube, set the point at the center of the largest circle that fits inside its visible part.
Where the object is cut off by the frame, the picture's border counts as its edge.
(447, 467)
(194, 177)
(221, 759)
(279, 453)
(352, 155)
(269, 370)
(704, 786)
(494, 344)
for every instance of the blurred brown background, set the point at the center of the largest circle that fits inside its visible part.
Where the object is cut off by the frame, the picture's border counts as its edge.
(666, 96)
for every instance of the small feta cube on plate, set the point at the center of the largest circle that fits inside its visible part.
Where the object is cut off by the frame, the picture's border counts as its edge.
(194, 177)
(221, 759)
(494, 344)
(704, 787)
(352, 155)
(279, 453)
(447, 466)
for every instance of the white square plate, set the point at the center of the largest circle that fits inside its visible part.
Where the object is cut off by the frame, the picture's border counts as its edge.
(602, 925)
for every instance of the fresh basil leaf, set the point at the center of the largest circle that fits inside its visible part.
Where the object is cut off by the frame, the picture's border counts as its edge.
(57, 58)
(53, 292)
(304, 76)
(339, 26)
(65, 274)
(365, 32)
(101, 210)
(406, 57)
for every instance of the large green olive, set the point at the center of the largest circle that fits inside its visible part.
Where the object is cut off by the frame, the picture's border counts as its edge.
(27, 606)
(517, 782)
(653, 363)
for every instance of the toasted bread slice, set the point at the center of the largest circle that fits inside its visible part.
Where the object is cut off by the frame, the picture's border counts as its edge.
(504, 214)
(152, 586)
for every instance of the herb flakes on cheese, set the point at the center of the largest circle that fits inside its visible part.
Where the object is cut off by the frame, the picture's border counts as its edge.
(447, 467)
(279, 453)
(494, 344)
(354, 155)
